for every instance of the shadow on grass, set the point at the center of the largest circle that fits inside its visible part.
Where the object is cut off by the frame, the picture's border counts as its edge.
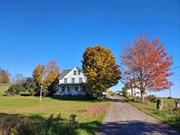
(38, 125)
(79, 98)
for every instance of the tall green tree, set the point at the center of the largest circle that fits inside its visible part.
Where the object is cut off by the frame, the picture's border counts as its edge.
(45, 75)
(100, 68)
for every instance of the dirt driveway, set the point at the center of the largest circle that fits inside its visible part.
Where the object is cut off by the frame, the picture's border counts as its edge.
(125, 119)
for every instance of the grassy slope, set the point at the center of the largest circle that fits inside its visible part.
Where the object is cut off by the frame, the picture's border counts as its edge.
(167, 115)
(86, 111)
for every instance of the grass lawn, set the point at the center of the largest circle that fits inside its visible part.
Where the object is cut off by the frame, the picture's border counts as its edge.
(166, 115)
(86, 111)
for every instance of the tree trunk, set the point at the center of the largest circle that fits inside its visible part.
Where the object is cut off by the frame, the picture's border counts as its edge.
(132, 93)
(142, 97)
(40, 98)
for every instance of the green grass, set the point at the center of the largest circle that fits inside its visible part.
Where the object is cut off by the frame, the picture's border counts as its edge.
(167, 115)
(90, 112)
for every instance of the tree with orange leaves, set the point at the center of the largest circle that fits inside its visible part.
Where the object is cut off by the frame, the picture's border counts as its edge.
(101, 69)
(147, 66)
(45, 75)
(4, 76)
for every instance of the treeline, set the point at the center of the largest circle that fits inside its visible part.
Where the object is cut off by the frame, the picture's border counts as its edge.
(43, 81)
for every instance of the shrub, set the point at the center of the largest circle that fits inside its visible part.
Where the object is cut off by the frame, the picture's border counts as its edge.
(125, 93)
(152, 98)
(100, 98)
(169, 97)
(13, 90)
(24, 88)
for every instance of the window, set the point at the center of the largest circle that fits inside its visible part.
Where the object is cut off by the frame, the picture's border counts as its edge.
(65, 80)
(76, 88)
(74, 72)
(80, 80)
(63, 88)
(73, 80)
(68, 88)
(79, 72)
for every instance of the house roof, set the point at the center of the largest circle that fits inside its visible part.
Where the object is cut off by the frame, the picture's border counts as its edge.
(64, 73)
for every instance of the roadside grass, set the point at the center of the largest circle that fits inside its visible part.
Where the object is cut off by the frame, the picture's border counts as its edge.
(166, 115)
(89, 113)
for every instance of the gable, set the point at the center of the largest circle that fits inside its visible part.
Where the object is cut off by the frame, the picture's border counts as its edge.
(72, 75)
(70, 72)
(64, 73)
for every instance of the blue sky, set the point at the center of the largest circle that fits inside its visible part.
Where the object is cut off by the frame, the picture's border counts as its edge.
(34, 31)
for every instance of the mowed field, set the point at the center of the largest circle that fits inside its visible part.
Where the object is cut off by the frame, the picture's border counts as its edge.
(86, 111)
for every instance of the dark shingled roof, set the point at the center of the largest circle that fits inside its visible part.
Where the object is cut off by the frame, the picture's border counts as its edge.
(64, 73)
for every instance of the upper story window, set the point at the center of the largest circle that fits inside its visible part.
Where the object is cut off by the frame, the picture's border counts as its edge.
(80, 80)
(79, 72)
(65, 80)
(74, 73)
(73, 80)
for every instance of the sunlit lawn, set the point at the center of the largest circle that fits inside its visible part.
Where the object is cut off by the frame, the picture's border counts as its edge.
(86, 111)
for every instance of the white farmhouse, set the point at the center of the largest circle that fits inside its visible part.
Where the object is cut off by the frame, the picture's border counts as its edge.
(134, 92)
(71, 83)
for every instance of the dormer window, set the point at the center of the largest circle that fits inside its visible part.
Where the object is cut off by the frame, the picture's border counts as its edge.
(79, 72)
(65, 80)
(74, 72)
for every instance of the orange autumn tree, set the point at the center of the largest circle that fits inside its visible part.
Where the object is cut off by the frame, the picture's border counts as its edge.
(101, 69)
(45, 75)
(4, 76)
(147, 66)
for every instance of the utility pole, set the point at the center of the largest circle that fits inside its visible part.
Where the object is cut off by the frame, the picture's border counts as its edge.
(170, 92)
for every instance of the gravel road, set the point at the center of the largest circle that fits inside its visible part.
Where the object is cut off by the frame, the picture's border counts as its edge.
(125, 119)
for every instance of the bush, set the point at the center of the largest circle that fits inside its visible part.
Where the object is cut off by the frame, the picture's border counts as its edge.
(26, 88)
(13, 90)
(152, 98)
(125, 93)
(101, 98)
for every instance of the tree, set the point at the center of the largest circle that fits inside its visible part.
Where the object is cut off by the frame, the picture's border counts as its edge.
(45, 75)
(27, 86)
(146, 66)
(19, 78)
(100, 68)
(4, 76)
